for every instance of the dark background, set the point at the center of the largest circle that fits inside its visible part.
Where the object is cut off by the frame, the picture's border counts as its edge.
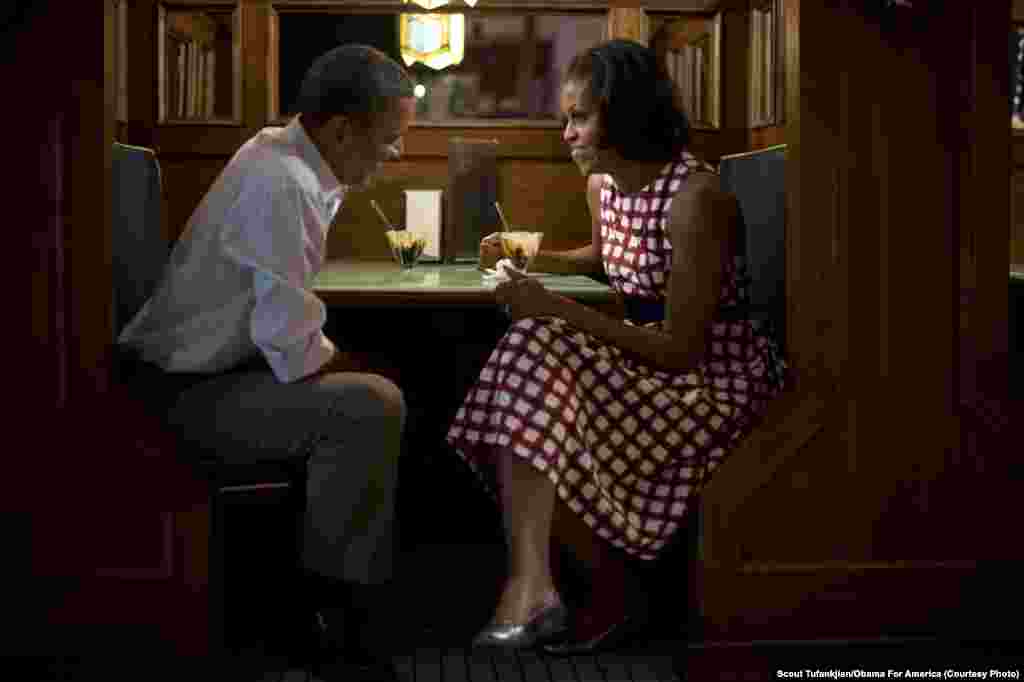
(304, 37)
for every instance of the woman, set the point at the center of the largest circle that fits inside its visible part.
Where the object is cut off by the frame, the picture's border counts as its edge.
(583, 421)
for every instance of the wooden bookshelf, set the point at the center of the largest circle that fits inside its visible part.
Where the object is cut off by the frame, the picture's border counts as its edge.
(765, 64)
(199, 71)
(691, 50)
(119, 16)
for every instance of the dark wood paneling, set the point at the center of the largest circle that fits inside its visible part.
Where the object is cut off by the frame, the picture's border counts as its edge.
(420, 142)
(255, 60)
(537, 182)
(990, 424)
(767, 136)
(735, 84)
(1017, 199)
(185, 182)
(985, 243)
(536, 179)
(807, 251)
(90, 487)
(1017, 219)
(847, 602)
(357, 231)
(513, 143)
(198, 141)
(544, 195)
(549, 197)
(712, 145)
(141, 61)
(875, 208)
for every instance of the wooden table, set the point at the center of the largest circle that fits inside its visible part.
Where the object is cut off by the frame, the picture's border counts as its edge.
(383, 284)
(431, 328)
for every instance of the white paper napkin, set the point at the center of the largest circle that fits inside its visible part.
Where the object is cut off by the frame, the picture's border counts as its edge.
(498, 273)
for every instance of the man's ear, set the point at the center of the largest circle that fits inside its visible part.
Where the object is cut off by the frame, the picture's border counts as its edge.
(337, 128)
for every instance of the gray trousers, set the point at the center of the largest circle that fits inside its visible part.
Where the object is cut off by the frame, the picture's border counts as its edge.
(347, 426)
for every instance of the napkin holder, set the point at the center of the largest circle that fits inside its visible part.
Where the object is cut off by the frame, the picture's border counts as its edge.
(424, 216)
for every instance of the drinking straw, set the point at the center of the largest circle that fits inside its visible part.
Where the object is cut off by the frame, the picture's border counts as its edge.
(381, 214)
(501, 215)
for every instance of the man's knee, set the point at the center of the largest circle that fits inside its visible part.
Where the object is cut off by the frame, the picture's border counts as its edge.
(386, 396)
(368, 395)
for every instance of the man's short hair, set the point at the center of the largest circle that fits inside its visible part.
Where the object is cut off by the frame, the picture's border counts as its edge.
(351, 80)
(640, 110)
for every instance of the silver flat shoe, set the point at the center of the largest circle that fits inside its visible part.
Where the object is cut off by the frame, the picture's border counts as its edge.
(550, 620)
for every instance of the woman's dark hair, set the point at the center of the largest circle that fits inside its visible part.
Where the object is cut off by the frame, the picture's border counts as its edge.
(637, 100)
(351, 80)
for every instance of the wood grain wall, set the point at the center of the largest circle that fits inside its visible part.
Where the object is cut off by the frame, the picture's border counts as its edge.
(1017, 201)
(1017, 178)
(897, 298)
(767, 136)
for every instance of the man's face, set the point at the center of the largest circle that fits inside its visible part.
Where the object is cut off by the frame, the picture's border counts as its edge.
(356, 149)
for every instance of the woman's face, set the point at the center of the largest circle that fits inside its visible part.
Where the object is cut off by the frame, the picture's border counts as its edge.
(582, 130)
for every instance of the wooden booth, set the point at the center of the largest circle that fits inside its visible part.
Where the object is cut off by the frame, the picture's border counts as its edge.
(878, 498)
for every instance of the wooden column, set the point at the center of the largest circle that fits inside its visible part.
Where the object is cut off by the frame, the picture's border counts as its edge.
(867, 508)
(1017, 176)
(630, 23)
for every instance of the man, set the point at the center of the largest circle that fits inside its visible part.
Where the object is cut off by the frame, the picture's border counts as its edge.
(238, 334)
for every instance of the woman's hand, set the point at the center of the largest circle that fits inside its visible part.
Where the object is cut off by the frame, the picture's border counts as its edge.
(490, 250)
(523, 296)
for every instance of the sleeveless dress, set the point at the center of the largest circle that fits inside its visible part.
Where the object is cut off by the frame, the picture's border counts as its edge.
(626, 446)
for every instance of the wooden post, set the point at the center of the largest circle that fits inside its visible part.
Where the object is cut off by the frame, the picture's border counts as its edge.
(630, 23)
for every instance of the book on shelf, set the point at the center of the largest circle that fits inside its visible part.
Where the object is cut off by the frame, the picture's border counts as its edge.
(192, 83)
(193, 73)
(179, 109)
(189, 79)
(191, 65)
(687, 54)
(211, 66)
(197, 91)
(698, 82)
(200, 83)
(756, 66)
(763, 66)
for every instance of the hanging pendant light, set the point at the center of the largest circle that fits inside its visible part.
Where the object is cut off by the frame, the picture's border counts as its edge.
(434, 4)
(437, 40)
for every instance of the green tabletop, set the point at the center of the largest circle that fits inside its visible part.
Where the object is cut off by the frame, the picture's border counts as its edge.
(383, 282)
(1017, 272)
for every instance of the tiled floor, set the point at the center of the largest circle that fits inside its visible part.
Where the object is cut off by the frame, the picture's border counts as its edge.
(878, 659)
(449, 591)
(427, 665)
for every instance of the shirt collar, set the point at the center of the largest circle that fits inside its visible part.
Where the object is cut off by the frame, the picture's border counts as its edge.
(295, 132)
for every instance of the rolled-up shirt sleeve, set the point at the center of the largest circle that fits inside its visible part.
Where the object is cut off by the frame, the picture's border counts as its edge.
(271, 237)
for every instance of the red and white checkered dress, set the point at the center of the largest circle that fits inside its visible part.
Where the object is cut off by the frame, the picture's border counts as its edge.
(624, 445)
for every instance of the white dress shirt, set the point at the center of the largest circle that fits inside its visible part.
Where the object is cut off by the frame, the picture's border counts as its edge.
(239, 280)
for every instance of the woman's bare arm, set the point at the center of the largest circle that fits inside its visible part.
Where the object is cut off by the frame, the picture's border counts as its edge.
(699, 223)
